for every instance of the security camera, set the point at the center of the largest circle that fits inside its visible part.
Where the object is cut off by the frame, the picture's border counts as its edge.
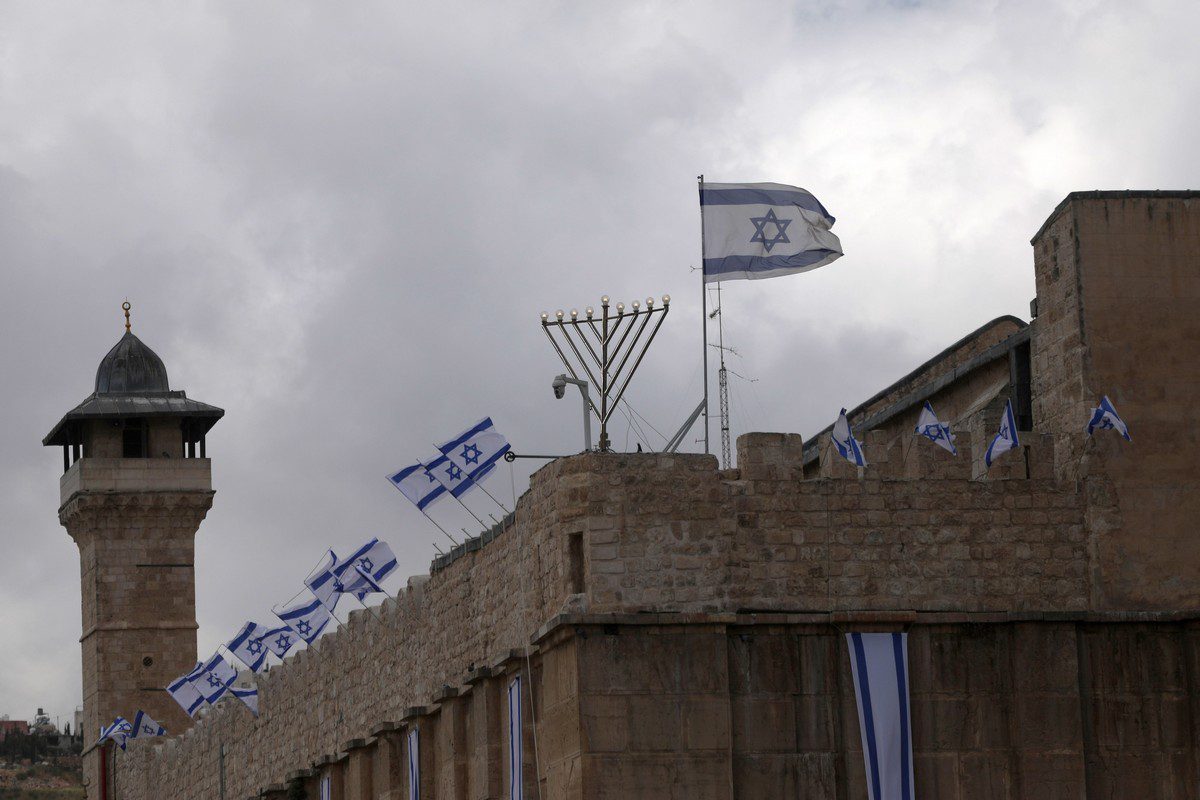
(559, 386)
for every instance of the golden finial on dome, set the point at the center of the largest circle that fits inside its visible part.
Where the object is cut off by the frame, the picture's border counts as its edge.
(125, 306)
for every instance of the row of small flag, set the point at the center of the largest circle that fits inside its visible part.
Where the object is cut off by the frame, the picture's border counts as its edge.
(1104, 417)
(121, 730)
(360, 574)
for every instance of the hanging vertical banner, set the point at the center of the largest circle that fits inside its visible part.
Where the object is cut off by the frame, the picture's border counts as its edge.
(879, 662)
(326, 787)
(414, 766)
(516, 781)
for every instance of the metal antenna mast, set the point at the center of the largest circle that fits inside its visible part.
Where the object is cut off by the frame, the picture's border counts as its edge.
(722, 383)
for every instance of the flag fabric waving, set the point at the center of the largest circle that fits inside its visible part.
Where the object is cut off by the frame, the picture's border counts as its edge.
(879, 663)
(214, 678)
(451, 476)
(279, 640)
(1006, 439)
(375, 558)
(477, 449)
(118, 732)
(763, 230)
(415, 483)
(248, 695)
(249, 647)
(145, 726)
(185, 693)
(936, 431)
(323, 583)
(1106, 418)
(307, 618)
(845, 443)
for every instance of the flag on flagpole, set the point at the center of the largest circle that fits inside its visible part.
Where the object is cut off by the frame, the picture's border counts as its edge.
(248, 695)
(451, 476)
(845, 443)
(763, 230)
(323, 583)
(248, 646)
(375, 558)
(185, 693)
(879, 663)
(118, 732)
(214, 678)
(144, 726)
(1006, 439)
(1106, 418)
(936, 431)
(279, 640)
(477, 449)
(415, 483)
(307, 618)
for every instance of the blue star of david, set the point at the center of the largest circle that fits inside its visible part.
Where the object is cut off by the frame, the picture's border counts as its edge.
(454, 472)
(760, 234)
(255, 647)
(470, 454)
(147, 729)
(366, 564)
(934, 432)
(213, 681)
(282, 642)
(303, 628)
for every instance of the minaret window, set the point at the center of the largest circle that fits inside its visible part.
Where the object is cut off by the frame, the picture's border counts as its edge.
(134, 439)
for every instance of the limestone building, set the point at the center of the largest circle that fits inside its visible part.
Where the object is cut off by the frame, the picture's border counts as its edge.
(679, 629)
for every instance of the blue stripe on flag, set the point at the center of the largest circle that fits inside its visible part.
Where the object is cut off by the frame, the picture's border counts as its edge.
(902, 690)
(763, 197)
(728, 264)
(864, 687)
(483, 425)
(399, 477)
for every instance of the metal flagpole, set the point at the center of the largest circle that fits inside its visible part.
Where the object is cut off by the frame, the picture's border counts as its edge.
(704, 311)
(439, 527)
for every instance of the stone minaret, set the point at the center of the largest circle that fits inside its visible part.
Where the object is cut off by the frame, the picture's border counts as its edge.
(136, 485)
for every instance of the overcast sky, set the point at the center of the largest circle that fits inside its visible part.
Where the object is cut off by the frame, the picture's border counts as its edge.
(339, 222)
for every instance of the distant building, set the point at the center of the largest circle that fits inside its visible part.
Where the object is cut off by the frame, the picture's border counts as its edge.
(8, 726)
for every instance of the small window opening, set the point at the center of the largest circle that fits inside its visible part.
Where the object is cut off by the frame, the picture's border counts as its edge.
(133, 440)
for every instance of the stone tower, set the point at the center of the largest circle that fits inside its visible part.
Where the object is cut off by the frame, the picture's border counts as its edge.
(135, 487)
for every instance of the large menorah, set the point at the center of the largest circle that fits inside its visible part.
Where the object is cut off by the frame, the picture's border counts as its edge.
(606, 347)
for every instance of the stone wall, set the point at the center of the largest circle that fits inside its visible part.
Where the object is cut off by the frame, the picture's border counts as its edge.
(637, 533)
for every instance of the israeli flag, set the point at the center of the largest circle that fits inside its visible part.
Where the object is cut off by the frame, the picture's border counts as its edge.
(307, 618)
(325, 791)
(415, 483)
(184, 692)
(763, 230)
(1106, 418)
(1006, 439)
(118, 732)
(414, 765)
(516, 763)
(360, 572)
(279, 640)
(879, 662)
(477, 449)
(324, 584)
(145, 726)
(249, 647)
(936, 431)
(215, 677)
(248, 695)
(845, 443)
(451, 476)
